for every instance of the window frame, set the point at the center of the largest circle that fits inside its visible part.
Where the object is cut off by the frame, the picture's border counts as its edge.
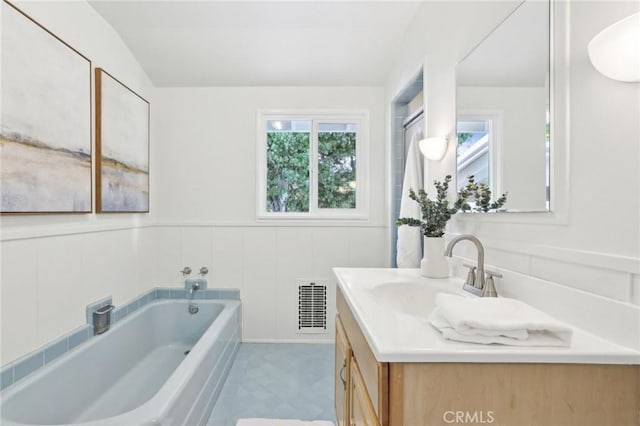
(496, 167)
(358, 117)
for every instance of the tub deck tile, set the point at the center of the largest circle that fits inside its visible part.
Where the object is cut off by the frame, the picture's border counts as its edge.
(163, 293)
(80, 336)
(55, 349)
(28, 365)
(6, 377)
(118, 314)
(177, 294)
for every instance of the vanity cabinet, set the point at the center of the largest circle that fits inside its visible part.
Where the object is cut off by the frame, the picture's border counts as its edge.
(342, 375)
(367, 398)
(441, 393)
(352, 401)
(361, 411)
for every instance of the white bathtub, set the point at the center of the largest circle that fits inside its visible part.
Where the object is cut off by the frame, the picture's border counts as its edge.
(137, 373)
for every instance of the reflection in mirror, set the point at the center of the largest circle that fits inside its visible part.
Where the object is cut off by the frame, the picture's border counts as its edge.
(502, 102)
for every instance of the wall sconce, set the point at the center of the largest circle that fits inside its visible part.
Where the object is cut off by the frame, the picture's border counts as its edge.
(434, 148)
(615, 51)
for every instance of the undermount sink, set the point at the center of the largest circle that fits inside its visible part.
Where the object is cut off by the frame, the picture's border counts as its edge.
(411, 298)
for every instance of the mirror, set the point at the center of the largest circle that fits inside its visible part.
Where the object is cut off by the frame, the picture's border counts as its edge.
(502, 108)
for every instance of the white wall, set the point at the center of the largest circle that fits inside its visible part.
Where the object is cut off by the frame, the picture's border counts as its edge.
(54, 265)
(203, 188)
(594, 245)
(206, 172)
(521, 159)
(203, 143)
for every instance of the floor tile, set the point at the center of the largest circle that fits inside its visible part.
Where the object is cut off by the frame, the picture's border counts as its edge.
(283, 380)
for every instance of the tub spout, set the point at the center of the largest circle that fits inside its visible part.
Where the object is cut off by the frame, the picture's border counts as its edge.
(191, 285)
(102, 319)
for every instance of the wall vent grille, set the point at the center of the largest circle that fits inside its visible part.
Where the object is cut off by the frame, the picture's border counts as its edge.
(312, 307)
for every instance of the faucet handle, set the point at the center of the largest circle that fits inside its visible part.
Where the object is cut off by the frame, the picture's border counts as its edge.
(186, 271)
(489, 289)
(493, 274)
(471, 275)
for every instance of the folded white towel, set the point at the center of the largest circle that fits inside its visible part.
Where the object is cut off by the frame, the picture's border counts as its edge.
(282, 422)
(534, 338)
(496, 320)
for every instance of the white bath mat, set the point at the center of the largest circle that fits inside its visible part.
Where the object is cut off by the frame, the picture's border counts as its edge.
(281, 422)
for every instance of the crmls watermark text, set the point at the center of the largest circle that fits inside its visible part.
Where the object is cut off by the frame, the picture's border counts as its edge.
(468, 417)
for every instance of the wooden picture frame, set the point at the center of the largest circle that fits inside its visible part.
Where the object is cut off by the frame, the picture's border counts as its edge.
(45, 137)
(122, 147)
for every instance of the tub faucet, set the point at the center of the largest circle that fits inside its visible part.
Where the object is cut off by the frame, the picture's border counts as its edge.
(191, 285)
(475, 282)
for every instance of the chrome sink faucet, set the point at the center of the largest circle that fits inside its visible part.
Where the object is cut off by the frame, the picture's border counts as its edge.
(475, 282)
(194, 287)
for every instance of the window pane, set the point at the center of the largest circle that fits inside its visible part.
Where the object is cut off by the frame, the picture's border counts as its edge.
(473, 151)
(288, 166)
(337, 166)
(288, 126)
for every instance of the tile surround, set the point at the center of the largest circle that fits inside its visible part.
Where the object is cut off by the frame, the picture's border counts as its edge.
(25, 365)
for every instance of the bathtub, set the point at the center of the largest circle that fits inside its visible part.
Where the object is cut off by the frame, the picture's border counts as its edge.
(159, 366)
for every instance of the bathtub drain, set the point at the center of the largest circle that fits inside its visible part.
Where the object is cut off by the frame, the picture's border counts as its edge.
(193, 309)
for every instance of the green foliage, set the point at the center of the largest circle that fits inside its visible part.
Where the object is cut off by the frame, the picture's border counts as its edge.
(288, 170)
(336, 170)
(481, 195)
(436, 214)
(463, 137)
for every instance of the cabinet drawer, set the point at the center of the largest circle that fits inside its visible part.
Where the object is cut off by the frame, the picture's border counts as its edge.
(375, 375)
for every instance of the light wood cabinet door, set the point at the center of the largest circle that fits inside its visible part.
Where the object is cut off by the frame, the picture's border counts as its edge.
(342, 375)
(362, 411)
(375, 374)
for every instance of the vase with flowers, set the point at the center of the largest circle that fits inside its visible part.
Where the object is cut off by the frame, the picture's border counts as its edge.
(436, 213)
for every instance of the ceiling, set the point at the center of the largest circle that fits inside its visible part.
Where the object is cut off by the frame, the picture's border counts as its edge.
(262, 43)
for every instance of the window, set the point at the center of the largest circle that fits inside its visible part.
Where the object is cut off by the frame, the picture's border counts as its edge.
(312, 165)
(473, 151)
(479, 149)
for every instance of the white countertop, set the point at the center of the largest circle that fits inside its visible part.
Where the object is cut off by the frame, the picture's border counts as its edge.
(388, 305)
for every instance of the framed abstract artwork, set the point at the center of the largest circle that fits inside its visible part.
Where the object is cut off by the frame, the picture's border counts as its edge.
(45, 120)
(122, 145)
